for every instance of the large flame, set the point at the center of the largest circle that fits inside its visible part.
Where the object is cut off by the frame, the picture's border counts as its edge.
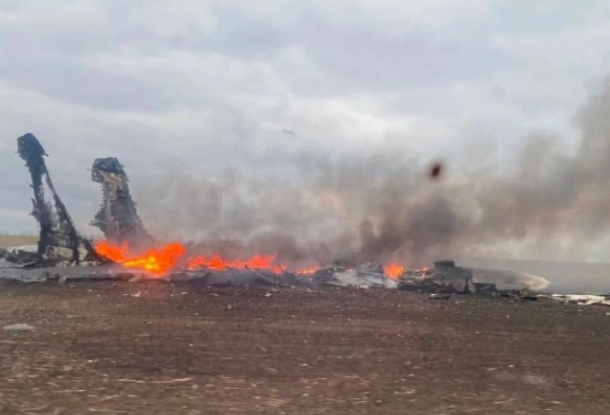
(162, 260)
(157, 261)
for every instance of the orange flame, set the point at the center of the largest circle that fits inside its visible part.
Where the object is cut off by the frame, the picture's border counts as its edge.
(394, 271)
(307, 271)
(156, 261)
(160, 261)
(217, 263)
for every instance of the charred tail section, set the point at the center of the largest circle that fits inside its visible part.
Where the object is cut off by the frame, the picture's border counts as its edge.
(117, 218)
(58, 239)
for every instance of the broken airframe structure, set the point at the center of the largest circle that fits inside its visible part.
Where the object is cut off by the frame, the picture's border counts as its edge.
(58, 239)
(117, 218)
(59, 243)
(447, 278)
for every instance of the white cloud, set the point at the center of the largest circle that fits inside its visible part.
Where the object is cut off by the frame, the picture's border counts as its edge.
(398, 17)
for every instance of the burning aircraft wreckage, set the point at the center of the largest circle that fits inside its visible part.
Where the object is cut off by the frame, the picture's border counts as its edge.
(125, 253)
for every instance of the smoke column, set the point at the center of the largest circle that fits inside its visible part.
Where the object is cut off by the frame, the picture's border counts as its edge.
(382, 205)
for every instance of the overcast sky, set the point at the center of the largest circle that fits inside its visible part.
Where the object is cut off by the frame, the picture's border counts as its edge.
(200, 85)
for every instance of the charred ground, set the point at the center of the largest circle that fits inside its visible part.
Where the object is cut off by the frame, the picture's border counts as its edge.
(158, 348)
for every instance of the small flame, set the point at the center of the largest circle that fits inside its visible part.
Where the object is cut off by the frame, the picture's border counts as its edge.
(394, 271)
(216, 262)
(308, 271)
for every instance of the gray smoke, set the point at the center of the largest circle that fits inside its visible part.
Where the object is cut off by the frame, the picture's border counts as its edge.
(382, 205)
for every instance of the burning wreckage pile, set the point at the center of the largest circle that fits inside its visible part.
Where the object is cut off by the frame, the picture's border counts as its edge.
(125, 254)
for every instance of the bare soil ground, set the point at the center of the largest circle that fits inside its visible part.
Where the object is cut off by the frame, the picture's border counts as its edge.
(17, 240)
(156, 348)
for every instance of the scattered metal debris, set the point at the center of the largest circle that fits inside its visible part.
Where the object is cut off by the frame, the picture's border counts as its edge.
(118, 217)
(448, 278)
(445, 277)
(369, 275)
(20, 256)
(439, 296)
(582, 299)
(18, 327)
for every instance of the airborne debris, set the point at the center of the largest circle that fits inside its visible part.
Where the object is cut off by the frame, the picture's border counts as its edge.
(436, 170)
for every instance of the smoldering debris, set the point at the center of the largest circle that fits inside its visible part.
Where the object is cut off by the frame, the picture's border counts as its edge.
(441, 282)
(446, 277)
(60, 244)
(119, 221)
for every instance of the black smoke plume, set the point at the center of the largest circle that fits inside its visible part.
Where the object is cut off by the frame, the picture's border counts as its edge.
(383, 205)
